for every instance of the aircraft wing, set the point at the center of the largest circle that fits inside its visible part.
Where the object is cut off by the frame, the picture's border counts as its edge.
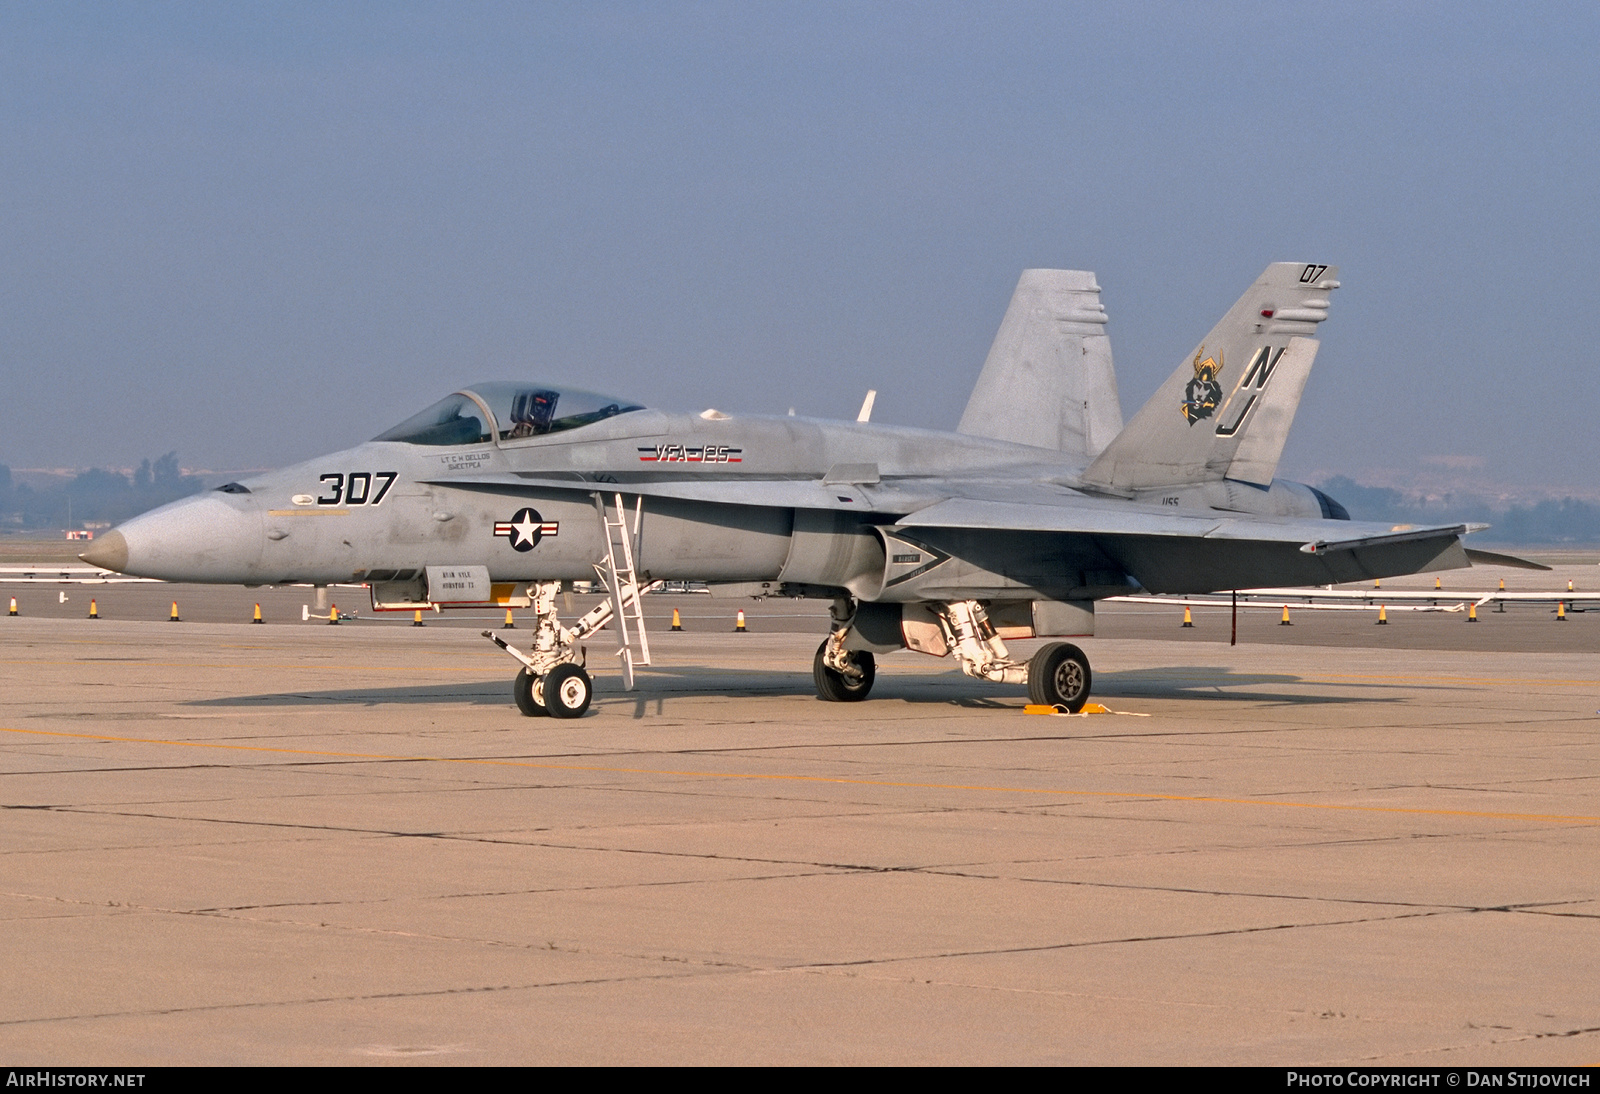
(1165, 550)
(961, 504)
(1177, 551)
(1094, 516)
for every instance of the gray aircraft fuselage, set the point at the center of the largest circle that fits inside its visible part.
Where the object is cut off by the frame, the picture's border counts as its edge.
(764, 514)
(944, 543)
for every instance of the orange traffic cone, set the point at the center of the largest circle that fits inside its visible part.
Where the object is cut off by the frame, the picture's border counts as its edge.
(333, 616)
(173, 618)
(1472, 613)
(1188, 620)
(1383, 616)
(677, 624)
(510, 623)
(738, 624)
(416, 619)
(1284, 622)
(257, 617)
(94, 609)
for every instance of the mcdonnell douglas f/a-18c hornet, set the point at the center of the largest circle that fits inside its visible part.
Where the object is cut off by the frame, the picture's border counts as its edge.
(1012, 527)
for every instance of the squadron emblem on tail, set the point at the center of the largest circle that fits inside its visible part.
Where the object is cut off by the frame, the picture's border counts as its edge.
(1203, 393)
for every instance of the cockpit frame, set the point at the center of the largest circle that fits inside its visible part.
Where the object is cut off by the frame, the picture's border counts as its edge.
(529, 414)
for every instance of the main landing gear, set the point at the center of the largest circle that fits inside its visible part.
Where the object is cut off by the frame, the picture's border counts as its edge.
(1057, 675)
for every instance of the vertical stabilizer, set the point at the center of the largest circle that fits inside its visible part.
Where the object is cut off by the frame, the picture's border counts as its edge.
(1226, 412)
(1048, 379)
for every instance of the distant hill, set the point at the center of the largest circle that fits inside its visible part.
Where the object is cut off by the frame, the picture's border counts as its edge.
(93, 496)
(1547, 522)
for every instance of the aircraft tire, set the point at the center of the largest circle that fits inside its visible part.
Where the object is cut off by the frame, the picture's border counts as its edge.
(833, 687)
(529, 695)
(1058, 675)
(567, 691)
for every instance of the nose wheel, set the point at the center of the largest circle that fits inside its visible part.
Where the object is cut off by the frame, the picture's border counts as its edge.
(563, 692)
(529, 692)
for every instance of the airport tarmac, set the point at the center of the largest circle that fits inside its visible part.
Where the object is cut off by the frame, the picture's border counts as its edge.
(339, 845)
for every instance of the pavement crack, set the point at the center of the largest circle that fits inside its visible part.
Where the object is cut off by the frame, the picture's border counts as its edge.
(430, 993)
(1129, 940)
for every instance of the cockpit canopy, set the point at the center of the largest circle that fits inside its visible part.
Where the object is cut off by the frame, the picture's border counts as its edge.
(505, 411)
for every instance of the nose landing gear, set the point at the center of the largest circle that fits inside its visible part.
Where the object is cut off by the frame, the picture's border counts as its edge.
(553, 680)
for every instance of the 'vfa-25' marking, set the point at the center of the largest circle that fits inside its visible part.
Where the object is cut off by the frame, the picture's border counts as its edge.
(678, 453)
(526, 528)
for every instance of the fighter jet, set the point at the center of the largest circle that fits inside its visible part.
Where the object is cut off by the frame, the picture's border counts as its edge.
(949, 544)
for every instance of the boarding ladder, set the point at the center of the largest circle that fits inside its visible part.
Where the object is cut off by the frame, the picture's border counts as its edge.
(622, 582)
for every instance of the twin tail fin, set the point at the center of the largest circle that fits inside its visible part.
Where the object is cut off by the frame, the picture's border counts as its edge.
(1048, 380)
(1226, 412)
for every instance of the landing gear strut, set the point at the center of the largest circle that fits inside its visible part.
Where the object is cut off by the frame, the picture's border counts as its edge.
(841, 675)
(553, 680)
(1058, 675)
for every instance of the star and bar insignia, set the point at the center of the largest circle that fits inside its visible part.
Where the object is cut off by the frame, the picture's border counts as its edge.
(526, 528)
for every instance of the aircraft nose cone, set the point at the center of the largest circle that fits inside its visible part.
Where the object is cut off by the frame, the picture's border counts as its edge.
(110, 552)
(205, 538)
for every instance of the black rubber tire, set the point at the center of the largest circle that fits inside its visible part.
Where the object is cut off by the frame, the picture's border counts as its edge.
(527, 695)
(833, 687)
(1058, 676)
(567, 691)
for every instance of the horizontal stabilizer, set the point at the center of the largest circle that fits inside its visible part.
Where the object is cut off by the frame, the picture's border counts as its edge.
(1048, 380)
(1319, 547)
(1490, 558)
(1226, 411)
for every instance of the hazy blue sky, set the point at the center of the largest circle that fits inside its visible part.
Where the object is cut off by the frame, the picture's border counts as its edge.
(258, 232)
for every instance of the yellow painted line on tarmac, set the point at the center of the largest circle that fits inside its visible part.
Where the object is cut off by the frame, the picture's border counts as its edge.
(1441, 679)
(1221, 680)
(297, 666)
(1548, 818)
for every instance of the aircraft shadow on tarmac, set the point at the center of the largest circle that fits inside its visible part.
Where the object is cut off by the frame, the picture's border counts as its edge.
(1189, 682)
(1192, 682)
